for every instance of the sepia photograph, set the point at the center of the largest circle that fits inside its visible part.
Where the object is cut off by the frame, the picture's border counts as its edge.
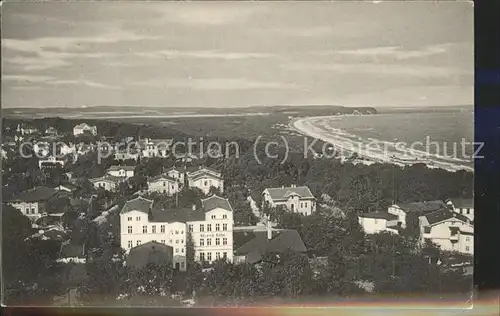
(237, 153)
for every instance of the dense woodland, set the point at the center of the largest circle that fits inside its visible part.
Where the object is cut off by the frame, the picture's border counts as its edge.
(339, 259)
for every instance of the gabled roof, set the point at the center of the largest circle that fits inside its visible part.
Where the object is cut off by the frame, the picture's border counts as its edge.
(138, 204)
(214, 202)
(204, 174)
(444, 214)
(197, 169)
(462, 203)
(108, 178)
(182, 215)
(379, 215)
(282, 193)
(281, 242)
(117, 168)
(34, 195)
(84, 125)
(150, 252)
(422, 207)
(162, 177)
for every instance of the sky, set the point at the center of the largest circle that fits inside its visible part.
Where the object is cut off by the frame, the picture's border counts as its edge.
(237, 54)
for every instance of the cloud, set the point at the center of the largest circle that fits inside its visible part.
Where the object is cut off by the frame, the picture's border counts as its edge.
(203, 54)
(216, 84)
(53, 52)
(82, 82)
(214, 14)
(27, 78)
(397, 52)
(380, 69)
(49, 80)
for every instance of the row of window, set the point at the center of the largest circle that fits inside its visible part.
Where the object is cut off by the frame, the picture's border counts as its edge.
(209, 227)
(153, 230)
(163, 241)
(215, 217)
(28, 210)
(137, 218)
(209, 241)
(208, 256)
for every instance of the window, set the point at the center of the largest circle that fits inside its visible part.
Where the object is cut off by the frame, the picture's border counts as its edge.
(468, 211)
(212, 217)
(130, 244)
(164, 183)
(224, 241)
(138, 243)
(144, 229)
(301, 205)
(163, 241)
(153, 229)
(305, 204)
(162, 228)
(224, 216)
(182, 265)
(27, 210)
(467, 248)
(191, 228)
(177, 232)
(206, 183)
(176, 250)
(182, 250)
(172, 186)
(138, 218)
(129, 219)
(202, 256)
(209, 256)
(217, 255)
(202, 228)
(209, 242)
(224, 254)
(202, 242)
(217, 241)
(467, 238)
(182, 232)
(177, 241)
(129, 229)
(209, 227)
(217, 227)
(224, 227)
(427, 230)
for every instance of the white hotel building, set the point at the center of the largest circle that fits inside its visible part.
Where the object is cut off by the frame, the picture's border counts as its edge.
(211, 228)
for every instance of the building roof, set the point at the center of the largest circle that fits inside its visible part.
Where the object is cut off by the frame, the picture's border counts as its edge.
(182, 215)
(284, 192)
(69, 250)
(444, 214)
(84, 125)
(462, 203)
(379, 215)
(150, 252)
(196, 169)
(281, 241)
(422, 207)
(117, 168)
(162, 177)
(138, 204)
(33, 195)
(108, 178)
(216, 202)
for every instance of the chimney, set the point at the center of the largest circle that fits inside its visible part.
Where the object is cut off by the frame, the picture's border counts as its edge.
(294, 185)
(282, 186)
(269, 231)
(193, 207)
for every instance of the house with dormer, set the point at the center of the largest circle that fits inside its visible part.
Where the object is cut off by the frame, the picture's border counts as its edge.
(451, 231)
(107, 182)
(462, 206)
(163, 184)
(204, 179)
(84, 128)
(121, 171)
(211, 228)
(294, 199)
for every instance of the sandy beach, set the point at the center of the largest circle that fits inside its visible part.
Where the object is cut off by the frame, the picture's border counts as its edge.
(345, 144)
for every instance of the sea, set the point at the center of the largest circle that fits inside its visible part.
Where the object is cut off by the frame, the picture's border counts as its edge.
(449, 134)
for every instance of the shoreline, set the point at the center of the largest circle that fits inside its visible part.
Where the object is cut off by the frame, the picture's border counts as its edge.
(342, 142)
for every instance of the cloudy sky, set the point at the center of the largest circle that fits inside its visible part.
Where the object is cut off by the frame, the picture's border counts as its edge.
(237, 53)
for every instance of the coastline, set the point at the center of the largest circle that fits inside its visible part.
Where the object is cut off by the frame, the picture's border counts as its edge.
(344, 144)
